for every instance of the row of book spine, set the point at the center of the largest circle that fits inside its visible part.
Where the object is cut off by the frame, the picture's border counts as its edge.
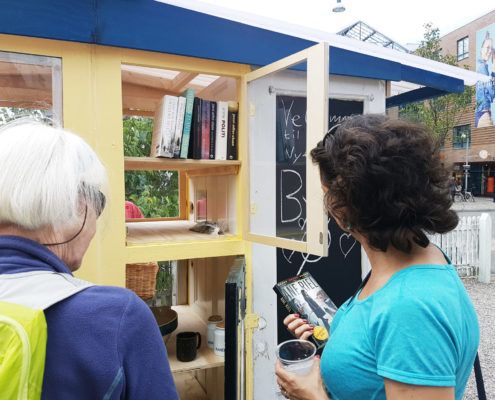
(189, 127)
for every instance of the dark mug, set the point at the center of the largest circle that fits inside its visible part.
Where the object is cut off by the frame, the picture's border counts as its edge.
(188, 344)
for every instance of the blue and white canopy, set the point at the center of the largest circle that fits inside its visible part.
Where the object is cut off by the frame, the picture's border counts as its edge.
(195, 29)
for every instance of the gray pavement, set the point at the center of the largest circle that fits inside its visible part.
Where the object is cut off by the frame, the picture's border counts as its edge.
(483, 297)
(479, 204)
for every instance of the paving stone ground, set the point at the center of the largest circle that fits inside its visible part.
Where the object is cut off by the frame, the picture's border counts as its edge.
(483, 297)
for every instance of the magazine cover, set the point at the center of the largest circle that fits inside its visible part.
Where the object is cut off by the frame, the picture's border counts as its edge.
(302, 295)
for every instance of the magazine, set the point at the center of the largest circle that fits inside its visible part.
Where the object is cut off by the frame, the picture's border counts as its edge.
(302, 295)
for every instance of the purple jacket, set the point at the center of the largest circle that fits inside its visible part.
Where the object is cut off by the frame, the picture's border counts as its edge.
(103, 342)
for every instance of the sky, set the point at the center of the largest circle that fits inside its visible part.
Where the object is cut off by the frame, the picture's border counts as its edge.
(402, 21)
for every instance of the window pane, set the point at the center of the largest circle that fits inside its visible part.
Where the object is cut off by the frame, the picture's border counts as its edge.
(30, 86)
(461, 136)
(463, 48)
(153, 194)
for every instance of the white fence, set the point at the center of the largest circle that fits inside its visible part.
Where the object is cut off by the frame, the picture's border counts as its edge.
(469, 246)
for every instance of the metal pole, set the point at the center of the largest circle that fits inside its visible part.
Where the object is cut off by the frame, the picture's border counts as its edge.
(466, 166)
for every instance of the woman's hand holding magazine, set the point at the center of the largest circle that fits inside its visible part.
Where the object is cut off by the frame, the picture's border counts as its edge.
(299, 327)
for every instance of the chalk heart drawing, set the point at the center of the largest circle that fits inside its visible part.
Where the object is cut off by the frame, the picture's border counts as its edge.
(346, 242)
(305, 257)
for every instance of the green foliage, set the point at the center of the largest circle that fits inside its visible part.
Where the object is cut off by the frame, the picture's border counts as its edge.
(442, 113)
(156, 193)
(165, 276)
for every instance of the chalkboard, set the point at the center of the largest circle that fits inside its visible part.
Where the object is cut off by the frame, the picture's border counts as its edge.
(339, 274)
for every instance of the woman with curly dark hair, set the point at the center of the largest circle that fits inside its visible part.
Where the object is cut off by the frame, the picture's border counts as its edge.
(411, 332)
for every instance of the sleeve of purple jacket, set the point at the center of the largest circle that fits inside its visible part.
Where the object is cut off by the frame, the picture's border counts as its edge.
(145, 363)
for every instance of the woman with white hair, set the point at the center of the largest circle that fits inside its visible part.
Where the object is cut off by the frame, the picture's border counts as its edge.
(103, 342)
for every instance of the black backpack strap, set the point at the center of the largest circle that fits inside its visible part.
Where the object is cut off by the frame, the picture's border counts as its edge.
(480, 384)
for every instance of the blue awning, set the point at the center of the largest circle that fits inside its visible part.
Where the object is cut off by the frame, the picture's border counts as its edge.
(154, 26)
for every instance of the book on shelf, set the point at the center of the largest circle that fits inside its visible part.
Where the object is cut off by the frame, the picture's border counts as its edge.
(196, 128)
(213, 128)
(221, 131)
(232, 132)
(162, 142)
(156, 137)
(186, 130)
(205, 130)
(181, 109)
(190, 127)
(302, 295)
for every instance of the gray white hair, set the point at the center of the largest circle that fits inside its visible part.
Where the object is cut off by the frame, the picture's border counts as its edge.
(45, 174)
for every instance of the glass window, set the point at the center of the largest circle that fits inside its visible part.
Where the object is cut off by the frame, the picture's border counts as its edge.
(461, 136)
(150, 194)
(30, 86)
(463, 48)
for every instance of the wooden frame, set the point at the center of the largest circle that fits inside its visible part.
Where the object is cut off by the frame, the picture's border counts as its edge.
(92, 107)
(317, 121)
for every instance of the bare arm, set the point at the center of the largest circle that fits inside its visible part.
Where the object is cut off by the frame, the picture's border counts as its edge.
(402, 391)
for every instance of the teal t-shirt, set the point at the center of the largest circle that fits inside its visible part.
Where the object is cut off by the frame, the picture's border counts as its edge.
(420, 328)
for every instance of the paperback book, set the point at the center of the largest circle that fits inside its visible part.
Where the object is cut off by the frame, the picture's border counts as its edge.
(179, 124)
(186, 130)
(232, 131)
(303, 295)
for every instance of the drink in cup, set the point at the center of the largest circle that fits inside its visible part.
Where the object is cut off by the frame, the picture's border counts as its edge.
(296, 356)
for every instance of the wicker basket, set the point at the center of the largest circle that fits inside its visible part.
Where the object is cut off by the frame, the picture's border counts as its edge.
(141, 278)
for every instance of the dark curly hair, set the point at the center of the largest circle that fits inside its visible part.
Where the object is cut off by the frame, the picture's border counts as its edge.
(385, 180)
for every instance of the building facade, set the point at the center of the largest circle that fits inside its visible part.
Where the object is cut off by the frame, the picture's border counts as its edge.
(472, 140)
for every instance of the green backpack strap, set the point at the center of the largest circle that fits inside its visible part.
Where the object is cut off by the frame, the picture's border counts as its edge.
(23, 329)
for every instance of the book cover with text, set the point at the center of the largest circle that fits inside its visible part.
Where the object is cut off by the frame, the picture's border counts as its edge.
(181, 110)
(221, 131)
(302, 295)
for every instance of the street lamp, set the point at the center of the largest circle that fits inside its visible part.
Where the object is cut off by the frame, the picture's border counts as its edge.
(339, 7)
(466, 164)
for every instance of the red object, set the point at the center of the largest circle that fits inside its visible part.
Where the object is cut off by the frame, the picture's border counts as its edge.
(201, 209)
(490, 183)
(132, 210)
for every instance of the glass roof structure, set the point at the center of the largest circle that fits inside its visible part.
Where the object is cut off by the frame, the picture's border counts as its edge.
(365, 33)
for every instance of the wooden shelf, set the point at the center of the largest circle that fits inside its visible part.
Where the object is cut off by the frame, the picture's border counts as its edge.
(206, 358)
(230, 167)
(160, 232)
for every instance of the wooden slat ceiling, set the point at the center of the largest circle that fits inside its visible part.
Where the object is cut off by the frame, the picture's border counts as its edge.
(30, 86)
(25, 86)
(142, 88)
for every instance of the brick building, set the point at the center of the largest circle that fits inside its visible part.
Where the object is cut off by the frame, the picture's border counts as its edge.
(474, 136)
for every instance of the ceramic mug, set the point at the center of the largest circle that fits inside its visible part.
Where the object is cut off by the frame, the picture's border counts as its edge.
(188, 344)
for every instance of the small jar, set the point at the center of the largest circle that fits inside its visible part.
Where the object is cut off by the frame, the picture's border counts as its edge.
(212, 324)
(220, 340)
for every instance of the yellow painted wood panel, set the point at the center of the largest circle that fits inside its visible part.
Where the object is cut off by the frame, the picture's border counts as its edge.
(185, 250)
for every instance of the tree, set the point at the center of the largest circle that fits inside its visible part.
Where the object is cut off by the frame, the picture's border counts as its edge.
(442, 113)
(156, 193)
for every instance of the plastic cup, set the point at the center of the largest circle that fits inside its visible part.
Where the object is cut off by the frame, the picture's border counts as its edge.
(296, 356)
